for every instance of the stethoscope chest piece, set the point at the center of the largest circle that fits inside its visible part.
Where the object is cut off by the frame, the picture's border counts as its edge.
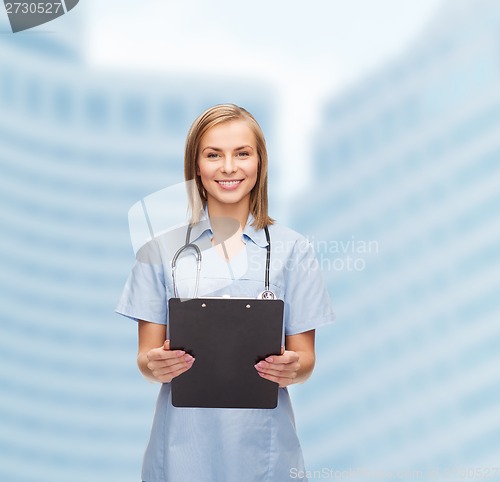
(266, 295)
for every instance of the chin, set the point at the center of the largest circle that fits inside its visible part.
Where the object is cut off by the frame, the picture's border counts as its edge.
(229, 199)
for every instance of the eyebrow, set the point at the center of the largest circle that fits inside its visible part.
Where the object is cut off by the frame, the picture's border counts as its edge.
(217, 149)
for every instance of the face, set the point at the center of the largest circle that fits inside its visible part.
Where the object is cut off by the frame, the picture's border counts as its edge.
(228, 163)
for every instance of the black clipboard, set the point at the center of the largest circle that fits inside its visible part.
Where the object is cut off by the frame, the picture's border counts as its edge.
(227, 337)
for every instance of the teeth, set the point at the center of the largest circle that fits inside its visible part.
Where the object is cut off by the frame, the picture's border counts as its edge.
(228, 183)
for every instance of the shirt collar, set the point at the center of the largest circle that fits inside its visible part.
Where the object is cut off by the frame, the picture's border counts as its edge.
(201, 227)
(258, 236)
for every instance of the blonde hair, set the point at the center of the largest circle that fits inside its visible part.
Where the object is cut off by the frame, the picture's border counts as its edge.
(213, 116)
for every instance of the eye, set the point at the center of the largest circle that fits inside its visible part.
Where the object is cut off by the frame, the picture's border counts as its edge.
(212, 155)
(243, 154)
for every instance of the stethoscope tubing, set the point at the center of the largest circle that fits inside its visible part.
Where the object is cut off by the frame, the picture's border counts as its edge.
(266, 294)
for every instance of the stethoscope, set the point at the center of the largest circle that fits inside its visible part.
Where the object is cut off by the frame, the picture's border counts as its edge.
(267, 294)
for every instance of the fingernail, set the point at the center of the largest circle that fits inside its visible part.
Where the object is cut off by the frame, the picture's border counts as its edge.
(188, 357)
(180, 353)
(269, 359)
(260, 365)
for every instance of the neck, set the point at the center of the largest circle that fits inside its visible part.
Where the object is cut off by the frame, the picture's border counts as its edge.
(238, 211)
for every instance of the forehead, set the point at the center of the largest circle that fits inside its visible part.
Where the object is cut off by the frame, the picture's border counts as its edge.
(233, 133)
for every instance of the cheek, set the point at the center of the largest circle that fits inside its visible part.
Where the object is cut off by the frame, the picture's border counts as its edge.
(202, 170)
(254, 170)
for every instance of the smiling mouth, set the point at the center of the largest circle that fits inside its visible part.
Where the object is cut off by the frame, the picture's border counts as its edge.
(230, 184)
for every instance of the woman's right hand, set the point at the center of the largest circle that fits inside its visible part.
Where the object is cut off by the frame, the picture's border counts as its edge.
(165, 364)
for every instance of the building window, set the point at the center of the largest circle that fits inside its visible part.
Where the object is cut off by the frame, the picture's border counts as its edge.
(173, 117)
(33, 96)
(97, 110)
(134, 113)
(63, 104)
(7, 86)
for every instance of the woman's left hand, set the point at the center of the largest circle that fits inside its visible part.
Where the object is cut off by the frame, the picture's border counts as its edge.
(282, 369)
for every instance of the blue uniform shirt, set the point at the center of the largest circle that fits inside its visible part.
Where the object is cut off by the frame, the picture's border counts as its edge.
(225, 445)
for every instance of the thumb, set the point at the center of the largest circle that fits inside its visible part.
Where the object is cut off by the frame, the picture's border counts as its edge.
(166, 345)
(282, 350)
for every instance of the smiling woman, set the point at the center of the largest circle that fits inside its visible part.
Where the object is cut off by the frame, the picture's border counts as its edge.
(226, 155)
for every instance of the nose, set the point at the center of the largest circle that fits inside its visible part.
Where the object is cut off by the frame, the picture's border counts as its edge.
(228, 164)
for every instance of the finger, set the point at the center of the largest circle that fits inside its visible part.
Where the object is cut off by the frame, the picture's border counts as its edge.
(276, 365)
(168, 377)
(166, 345)
(278, 373)
(172, 371)
(287, 357)
(264, 366)
(162, 354)
(169, 362)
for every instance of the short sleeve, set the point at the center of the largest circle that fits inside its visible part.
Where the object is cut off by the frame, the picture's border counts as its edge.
(307, 304)
(144, 296)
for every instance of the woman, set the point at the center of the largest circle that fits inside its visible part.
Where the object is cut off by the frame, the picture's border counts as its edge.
(226, 157)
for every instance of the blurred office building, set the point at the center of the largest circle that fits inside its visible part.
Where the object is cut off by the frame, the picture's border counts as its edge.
(404, 216)
(79, 147)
